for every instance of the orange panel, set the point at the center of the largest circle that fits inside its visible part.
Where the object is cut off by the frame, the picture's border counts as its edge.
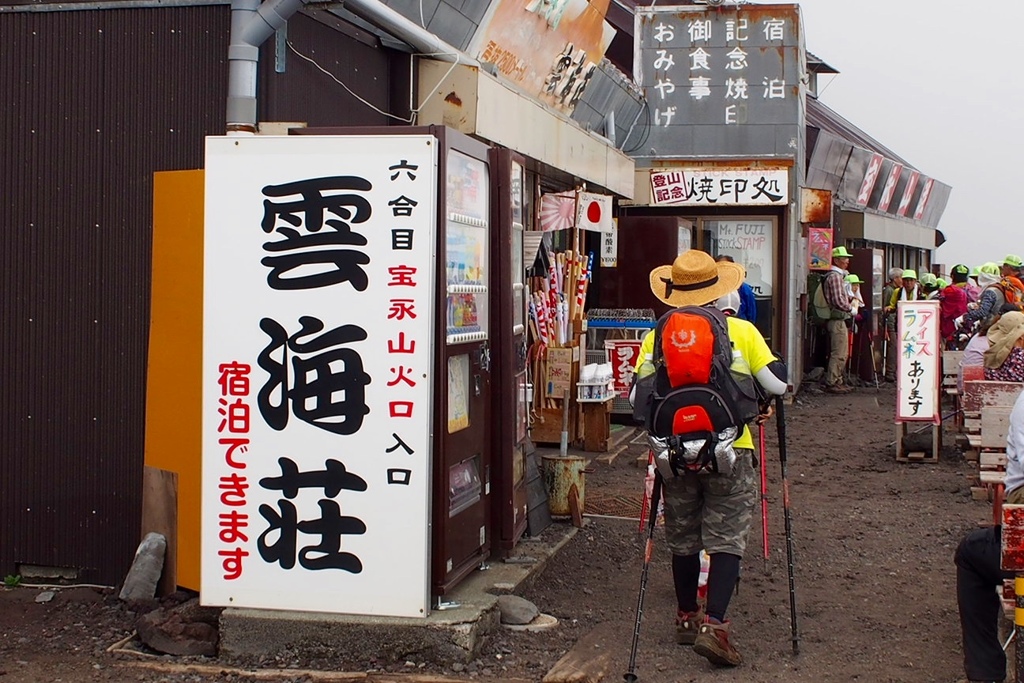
(174, 387)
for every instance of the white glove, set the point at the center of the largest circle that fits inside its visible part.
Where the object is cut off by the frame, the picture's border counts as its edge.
(958, 321)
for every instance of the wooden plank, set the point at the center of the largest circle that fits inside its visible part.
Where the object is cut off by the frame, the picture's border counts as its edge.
(995, 423)
(991, 476)
(951, 362)
(992, 459)
(981, 493)
(980, 395)
(160, 515)
(588, 660)
(538, 514)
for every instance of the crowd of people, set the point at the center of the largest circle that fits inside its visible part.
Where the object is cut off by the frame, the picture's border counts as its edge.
(980, 312)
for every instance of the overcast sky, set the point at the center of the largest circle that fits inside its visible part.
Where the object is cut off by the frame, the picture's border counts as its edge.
(936, 81)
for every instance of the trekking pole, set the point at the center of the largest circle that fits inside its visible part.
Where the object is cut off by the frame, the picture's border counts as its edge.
(630, 675)
(764, 497)
(780, 420)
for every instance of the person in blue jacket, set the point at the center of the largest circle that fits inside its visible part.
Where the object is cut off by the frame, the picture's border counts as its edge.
(748, 304)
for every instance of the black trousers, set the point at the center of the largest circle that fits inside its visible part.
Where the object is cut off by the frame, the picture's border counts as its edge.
(977, 576)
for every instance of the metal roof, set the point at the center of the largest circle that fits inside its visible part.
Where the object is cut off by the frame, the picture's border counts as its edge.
(821, 117)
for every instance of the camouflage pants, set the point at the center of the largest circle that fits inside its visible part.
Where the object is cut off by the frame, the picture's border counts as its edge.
(711, 511)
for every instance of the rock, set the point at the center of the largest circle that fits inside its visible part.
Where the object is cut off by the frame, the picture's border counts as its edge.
(45, 596)
(140, 584)
(516, 610)
(172, 632)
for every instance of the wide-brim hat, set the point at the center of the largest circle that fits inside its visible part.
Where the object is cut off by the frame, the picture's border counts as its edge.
(1012, 260)
(695, 279)
(840, 252)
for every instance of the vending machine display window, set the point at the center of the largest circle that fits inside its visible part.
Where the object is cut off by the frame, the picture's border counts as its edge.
(466, 249)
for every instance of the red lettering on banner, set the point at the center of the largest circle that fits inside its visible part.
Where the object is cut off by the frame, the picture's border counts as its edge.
(401, 309)
(233, 487)
(401, 276)
(402, 345)
(400, 408)
(232, 563)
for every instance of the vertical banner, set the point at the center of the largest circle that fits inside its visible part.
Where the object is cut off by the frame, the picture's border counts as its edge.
(622, 354)
(610, 246)
(317, 372)
(919, 362)
(819, 248)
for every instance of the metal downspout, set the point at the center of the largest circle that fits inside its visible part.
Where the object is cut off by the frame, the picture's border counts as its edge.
(251, 24)
(383, 17)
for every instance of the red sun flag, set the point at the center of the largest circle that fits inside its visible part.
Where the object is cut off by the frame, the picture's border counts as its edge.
(594, 212)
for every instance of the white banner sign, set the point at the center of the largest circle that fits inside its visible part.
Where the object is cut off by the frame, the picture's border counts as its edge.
(720, 187)
(317, 372)
(610, 246)
(919, 362)
(751, 243)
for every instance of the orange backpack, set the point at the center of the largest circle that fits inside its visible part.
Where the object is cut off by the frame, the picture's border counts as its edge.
(693, 393)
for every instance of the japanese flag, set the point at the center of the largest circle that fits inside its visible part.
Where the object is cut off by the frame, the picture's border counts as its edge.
(594, 212)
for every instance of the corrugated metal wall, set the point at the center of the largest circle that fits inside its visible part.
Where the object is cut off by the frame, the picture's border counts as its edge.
(96, 101)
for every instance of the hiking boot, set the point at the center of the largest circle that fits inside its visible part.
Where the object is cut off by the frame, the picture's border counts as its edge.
(687, 626)
(713, 643)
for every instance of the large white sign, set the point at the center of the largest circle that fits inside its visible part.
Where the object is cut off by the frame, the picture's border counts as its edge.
(317, 372)
(919, 359)
(750, 241)
(720, 187)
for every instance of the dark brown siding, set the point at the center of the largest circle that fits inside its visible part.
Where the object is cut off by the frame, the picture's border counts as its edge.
(95, 102)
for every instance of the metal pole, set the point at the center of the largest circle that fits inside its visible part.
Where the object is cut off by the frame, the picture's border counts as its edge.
(764, 497)
(630, 675)
(780, 419)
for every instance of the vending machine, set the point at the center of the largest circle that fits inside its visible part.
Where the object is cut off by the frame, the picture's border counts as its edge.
(509, 299)
(463, 471)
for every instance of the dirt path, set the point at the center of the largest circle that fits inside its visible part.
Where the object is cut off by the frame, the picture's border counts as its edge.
(874, 578)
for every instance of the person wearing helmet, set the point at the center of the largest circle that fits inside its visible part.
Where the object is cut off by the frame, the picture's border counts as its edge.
(972, 288)
(992, 298)
(953, 300)
(891, 289)
(929, 287)
(1011, 266)
(838, 300)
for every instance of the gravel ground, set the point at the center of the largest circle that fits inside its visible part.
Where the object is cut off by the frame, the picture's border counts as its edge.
(873, 545)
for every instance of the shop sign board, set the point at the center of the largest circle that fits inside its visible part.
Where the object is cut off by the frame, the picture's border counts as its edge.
(623, 355)
(919, 357)
(716, 186)
(610, 246)
(751, 242)
(548, 48)
(318, 327)
(723, 81)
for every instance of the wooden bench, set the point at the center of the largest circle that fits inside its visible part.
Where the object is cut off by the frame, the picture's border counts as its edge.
(951, 372)
(987, 405)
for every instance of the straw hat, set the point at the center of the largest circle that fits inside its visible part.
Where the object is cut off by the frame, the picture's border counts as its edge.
(1001, 338)
(695, 279)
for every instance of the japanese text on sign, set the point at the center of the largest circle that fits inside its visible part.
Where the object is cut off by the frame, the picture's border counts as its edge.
(705, 68)
(317, 416)
(720, 187)
(919, 359)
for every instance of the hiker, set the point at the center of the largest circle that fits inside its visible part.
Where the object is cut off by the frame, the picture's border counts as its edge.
(954, 304)
(834, 290)
(748, 302)
(853, 283)
(991, 299)
(978, 572)
(706, 509)
(894, 285)
(972, 288)
(1011, 266)
(1004, 358)
(929, 287)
